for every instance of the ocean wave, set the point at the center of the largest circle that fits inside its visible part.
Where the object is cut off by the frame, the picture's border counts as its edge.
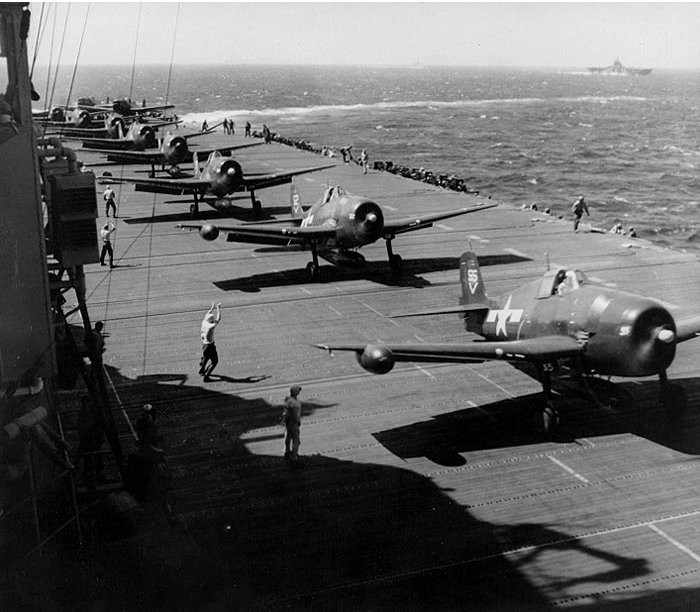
(336, 109)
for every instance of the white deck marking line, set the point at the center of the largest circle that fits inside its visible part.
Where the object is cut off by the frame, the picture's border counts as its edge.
(377, 312)
(121, 405)
(474, 237)
(388, 207)
(415, 365)
(566, 468)
(305, 290)
(516, 252)
(675, 542)
(444, 227)
(417, 337)
(335, 311)
(488, 380)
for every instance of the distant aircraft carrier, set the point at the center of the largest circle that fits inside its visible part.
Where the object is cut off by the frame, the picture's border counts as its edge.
(618, 68)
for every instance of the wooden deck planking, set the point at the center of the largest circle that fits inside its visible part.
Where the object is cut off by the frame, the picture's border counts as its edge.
(418, 478)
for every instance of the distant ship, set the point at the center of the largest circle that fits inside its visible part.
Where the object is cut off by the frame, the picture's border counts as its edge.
(618, 68)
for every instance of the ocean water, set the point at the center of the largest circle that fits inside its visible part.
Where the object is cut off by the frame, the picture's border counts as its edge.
(631, 145)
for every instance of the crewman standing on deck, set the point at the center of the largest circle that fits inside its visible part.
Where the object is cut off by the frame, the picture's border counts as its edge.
(210, 357)
(291, 417)
(578, 208)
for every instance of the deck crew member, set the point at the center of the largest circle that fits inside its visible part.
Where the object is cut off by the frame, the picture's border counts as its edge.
(578, 208)
(209, 355)
(106, 235)
(291, 417)
(108, 196)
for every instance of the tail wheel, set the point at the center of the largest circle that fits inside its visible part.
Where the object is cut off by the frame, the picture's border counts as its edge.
(396, 264)
(194, 211)
(257, 207)
(313, 271)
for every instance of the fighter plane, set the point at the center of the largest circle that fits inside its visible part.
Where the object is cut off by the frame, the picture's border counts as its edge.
(333, 227)
(221, 176)
(173, 150)
(138, 137)
(561, 319)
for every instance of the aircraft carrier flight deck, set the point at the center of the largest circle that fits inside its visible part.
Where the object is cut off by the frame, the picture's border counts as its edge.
(425, 488)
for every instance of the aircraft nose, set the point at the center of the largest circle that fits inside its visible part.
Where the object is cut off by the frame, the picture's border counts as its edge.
(666, 336)
(231, 172)
(371, 218)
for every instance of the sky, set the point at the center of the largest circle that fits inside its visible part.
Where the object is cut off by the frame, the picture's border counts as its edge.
(546, 34)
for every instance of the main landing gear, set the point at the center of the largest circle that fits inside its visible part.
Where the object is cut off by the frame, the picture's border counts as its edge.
(257, 205)
(194, 208)
(546, 419)
(395, 261)
(312, 267)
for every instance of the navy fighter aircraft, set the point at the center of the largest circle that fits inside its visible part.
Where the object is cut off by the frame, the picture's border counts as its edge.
(333, 228)
(139, 137)
(221, 176)
(563, 318)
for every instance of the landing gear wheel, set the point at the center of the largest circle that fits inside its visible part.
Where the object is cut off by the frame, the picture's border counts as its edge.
(194, 211)
(546, 421)
(257, 208)
(396, 264)
(313, 271)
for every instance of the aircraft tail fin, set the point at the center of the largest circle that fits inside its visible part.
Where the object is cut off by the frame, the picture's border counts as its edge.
(295, 201)
(474, 296)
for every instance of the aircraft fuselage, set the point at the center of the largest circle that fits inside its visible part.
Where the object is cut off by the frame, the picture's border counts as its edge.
(623, 334)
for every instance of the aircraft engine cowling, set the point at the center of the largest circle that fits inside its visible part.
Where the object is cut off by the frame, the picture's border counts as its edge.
(641, 342)
(376, 359)
(57, 114)
(122, 107)
(209, 232)
(82, 119)
(116, 127)
(175, 150)
(226, 177)
(145, 138)
(363, 226)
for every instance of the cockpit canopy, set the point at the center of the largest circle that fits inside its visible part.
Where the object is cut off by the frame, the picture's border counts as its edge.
(560, 282)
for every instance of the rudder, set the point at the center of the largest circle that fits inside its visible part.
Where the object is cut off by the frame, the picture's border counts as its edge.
(295, 202)
(473, 288)
(473, 292)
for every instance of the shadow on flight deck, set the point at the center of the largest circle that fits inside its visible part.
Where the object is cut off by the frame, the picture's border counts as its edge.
(631, 407)
(253, 532)
(372, 270)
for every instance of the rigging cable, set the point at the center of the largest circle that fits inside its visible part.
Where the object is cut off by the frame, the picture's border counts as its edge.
(48, 66)
(58, 59)
(40, 34)
(153, 207)
(77, 56)
(136, 44)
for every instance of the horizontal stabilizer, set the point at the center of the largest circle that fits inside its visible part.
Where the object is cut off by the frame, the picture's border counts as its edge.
(458, 308)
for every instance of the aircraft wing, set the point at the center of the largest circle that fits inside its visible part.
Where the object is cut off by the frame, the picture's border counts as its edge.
(261, 181)
(262, 233)
(687, 328)
(410, 224)
(174, 186)
(154, 156)
(541, 349)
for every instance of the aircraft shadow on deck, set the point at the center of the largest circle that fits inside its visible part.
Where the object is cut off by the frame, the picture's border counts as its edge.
(180, 213)
(633, 408)
(377, 271)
